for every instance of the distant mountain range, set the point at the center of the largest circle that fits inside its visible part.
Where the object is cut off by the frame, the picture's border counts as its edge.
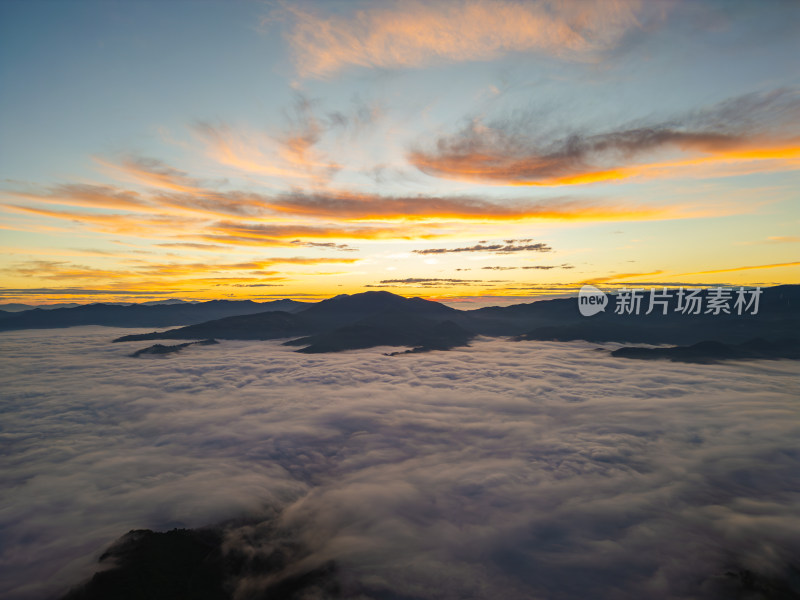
(382, 319)
(17, 307)
(378, 318)
(711, 352)
(141, 315)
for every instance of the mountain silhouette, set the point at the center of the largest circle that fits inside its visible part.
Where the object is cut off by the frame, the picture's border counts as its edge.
(711, 351)
(141, 315)
(195, 564)
(389, 328)
(778, 313)
(344, 322)
(259, 326)
(160, 349)
(379, 318)
(383, 319)
(14, 307)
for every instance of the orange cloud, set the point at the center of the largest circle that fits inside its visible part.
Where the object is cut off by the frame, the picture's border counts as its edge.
(231, 232)
(771, 266)
(559, 169)
(151, 172)
(166, 275)
(415, 33)
(236, 232)
(88, 196)
(47, 269)
(617, 277)
(344, 205)
(153, 202)
(120, 224)
(287, 157)
(783, 157)
(749, 134)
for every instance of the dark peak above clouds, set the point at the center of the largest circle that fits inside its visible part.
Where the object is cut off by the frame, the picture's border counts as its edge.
(711, 352)
(375, 301)
(364, 320)
(345, 322)
(198, 564)
(160, 349)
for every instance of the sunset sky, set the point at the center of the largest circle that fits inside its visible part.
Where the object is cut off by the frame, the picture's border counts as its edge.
(486, 150)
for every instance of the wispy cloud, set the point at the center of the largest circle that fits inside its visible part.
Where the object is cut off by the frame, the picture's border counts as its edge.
(506, 248)
(331, 245)
(292, 152)
(783, 239)
(615, 277)
(775, 239)
(415, 34)
(752, 133)
(258, 153)
(434, 282)
(151, 275)
(535, 267)
(243, 232)
(87, 195)
(747, 268)
(347, 205)
(151, 172)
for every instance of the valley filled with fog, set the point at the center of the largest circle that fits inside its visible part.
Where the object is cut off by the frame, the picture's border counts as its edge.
(500, 470)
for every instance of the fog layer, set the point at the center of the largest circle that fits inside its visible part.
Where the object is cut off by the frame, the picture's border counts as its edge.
(503, 470)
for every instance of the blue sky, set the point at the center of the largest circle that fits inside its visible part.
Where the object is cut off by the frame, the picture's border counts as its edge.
(257, 149)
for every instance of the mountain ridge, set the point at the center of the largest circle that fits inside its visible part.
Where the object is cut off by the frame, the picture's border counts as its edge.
(373, 318)
(140, 315)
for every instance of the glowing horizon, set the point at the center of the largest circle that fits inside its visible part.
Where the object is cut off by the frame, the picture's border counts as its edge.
(458, 151)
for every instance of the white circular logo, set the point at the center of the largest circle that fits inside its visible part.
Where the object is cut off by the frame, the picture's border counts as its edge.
(591, 300)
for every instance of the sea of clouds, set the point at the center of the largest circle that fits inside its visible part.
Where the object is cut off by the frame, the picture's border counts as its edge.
(511, 470)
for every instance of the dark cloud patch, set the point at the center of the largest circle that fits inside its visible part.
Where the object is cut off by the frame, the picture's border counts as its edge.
(534, 267)
(330, 245)
(507, 248)
(433, 282)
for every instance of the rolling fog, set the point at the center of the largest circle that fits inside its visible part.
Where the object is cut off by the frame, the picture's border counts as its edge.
(504, 470)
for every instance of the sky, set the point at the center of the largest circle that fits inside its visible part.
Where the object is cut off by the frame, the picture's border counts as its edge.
(501, 470)
(470, 150)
